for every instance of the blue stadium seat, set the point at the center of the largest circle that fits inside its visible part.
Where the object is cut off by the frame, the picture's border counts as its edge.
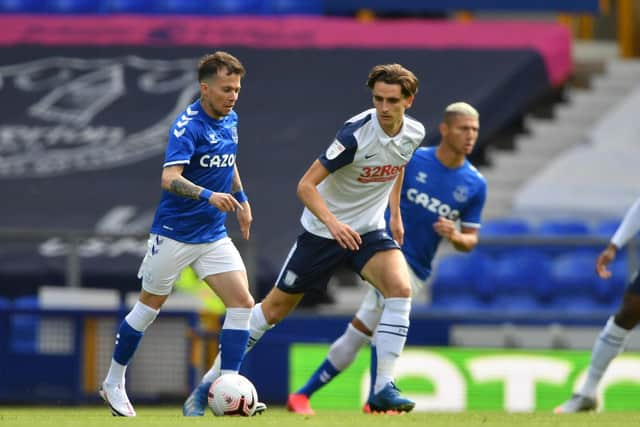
(5, 302)
(606, 227)
(236, 7)
(182, 7)
(294, 7)
(574, 282)
(22, 6)
(456, 282)
(502, 227)
(516, 280)
(129, 6)
(563, 228)
(608, 293)
(73, 6)
(24, 327)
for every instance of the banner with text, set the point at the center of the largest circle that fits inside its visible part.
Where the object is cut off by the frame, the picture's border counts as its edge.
(457, 379)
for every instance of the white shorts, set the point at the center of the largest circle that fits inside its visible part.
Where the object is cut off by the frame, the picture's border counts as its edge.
(370, 310)
(166, 258)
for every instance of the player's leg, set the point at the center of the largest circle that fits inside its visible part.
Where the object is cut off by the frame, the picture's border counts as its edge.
(341, 353)
(222, 268)
(310, 262)
(417, 284)
(163, 262)
(387, 270)
(607, 346)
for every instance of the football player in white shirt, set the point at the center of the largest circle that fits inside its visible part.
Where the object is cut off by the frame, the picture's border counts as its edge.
(615, 333)
(345, 193)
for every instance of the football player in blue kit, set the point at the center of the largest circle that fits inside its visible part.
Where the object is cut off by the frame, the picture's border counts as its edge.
(200, 183)
(345, 193)
(440, 188)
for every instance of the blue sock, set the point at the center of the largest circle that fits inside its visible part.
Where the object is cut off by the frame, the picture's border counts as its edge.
(373, 369)
(325, 373)
(233, 343)
(127, 341)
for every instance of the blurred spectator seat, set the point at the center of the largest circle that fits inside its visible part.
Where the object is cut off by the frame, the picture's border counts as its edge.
(5, 302)
(456, 284)
(500, 228)
(294, 7)
(129, 6)
(72, 6)
(575, 283)
(22, 6)
(607, 227)
(608, 292)
(24, 327)
(236, 7)
(183, 7)
(563, 228)
(517, 280)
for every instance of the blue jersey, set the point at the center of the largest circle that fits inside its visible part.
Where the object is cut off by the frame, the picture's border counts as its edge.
(207, 148)
(431, 190)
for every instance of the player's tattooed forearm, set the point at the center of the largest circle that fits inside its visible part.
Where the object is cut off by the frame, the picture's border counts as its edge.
(182, 187)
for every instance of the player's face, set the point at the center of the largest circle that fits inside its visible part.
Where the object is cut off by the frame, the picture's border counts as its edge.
(390, 106)
(461, 133)
(220, 93)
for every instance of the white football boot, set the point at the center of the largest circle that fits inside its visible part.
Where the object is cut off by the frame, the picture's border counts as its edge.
(116, 397)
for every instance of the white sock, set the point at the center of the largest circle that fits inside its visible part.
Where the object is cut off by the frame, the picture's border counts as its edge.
(344, 350)
(609, 344)
(116, 373)
(237, 318)
(257, 327)
(139, 318)
(390, 338)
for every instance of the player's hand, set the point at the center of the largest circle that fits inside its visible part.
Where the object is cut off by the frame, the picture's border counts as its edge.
(346, 236)
(444, 227)
(224, 202)
(397, 229)
(604, 259)
(245, 218)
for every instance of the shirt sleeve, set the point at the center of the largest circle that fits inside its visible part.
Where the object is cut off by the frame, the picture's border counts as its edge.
(180, 147)
(472, 217)
(629, 226)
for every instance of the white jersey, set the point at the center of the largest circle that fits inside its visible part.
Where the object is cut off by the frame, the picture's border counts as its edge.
(364, 163)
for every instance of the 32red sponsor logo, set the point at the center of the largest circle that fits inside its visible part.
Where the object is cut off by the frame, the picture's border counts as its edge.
(379, 173)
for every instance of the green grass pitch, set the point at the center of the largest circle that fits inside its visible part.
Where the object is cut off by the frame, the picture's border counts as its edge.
(277, 417)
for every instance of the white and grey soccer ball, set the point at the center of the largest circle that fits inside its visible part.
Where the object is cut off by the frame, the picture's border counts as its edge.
(232, 394)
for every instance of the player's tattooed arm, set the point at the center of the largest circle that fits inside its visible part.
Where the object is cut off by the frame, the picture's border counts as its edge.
(183, 187)
(173, 181)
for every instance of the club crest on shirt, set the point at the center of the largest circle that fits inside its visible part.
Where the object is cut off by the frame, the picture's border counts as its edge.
(422, 177)
(212, 138)
(289, 278)
(461, 193)
(334, 150)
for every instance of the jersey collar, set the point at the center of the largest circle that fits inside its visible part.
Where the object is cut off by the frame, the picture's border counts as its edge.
(384, 138)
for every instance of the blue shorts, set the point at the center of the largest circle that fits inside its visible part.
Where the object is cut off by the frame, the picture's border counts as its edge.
(634, 284)
(313, 260)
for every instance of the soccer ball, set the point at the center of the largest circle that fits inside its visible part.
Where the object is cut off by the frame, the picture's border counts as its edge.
(232, 394)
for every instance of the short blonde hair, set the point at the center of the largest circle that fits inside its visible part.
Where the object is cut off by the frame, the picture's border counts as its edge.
(460, 108)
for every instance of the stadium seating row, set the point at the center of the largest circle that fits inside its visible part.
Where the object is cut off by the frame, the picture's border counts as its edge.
(524, 281)
(211, 7)
(548, 227)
